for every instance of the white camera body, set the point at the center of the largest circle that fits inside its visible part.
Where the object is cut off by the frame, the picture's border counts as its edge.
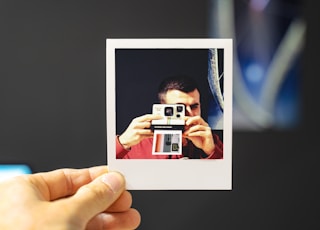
(173, 117)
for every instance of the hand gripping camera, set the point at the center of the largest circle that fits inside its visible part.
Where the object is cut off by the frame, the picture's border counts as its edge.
(173, 117)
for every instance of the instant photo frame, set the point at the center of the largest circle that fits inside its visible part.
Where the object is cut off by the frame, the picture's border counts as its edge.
(169, 174)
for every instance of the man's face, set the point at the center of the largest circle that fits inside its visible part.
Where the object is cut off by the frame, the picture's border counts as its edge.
(191, 101)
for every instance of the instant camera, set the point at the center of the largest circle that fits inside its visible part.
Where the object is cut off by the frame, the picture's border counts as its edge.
(173, 117)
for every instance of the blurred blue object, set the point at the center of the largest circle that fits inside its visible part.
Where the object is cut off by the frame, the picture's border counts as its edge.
(268, 43)
(11, 170)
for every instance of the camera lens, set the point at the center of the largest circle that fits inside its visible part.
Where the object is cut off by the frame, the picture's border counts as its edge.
(168, 111)
(179, 108)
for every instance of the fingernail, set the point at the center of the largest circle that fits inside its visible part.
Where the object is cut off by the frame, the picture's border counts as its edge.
(114, 181)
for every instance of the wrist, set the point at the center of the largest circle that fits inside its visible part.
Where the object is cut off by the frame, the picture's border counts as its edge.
(123, 143)
(210, 151)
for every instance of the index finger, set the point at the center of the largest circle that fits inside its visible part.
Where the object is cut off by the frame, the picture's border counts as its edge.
(149, 117)
(64, 182)
(195, 120)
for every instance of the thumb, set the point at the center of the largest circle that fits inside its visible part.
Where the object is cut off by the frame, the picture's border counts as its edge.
(95, 197)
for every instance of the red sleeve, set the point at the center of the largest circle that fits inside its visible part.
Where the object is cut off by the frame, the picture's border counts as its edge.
(218, 150)
(120, 151)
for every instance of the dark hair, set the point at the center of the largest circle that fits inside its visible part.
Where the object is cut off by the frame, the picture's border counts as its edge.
(182, 83)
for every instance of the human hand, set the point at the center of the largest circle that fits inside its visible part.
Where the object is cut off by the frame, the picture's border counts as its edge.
(199, 132)
(138, 130)
(67, 199)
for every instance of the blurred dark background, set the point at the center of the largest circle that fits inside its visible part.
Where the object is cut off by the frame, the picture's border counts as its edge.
(52, 110)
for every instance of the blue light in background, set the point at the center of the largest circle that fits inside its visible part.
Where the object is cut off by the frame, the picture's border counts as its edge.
(10, 170)
(254, 73)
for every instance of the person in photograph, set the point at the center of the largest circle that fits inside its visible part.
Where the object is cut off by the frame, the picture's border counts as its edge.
(199, 140)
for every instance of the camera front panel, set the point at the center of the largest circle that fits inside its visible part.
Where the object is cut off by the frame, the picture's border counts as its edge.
(173, 116)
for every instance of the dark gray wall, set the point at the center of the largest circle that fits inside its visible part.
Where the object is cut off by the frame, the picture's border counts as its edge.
(52, 101)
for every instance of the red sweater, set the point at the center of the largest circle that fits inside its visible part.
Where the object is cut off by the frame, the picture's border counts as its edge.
(143, 150)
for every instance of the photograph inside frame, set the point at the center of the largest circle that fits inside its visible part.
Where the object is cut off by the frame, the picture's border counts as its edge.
(169, 104)
(175, 92)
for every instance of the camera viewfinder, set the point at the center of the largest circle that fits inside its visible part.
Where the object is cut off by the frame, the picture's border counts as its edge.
(168, 111)
(179, 108)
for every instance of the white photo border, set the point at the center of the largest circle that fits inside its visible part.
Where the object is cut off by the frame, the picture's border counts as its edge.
(163, 174)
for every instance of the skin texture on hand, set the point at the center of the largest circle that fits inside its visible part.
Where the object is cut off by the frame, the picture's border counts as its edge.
(199, 132)
(138, 130)
(91, 198)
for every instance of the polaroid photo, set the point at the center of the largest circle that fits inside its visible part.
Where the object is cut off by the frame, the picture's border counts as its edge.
(167, 142)
(169, 112)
